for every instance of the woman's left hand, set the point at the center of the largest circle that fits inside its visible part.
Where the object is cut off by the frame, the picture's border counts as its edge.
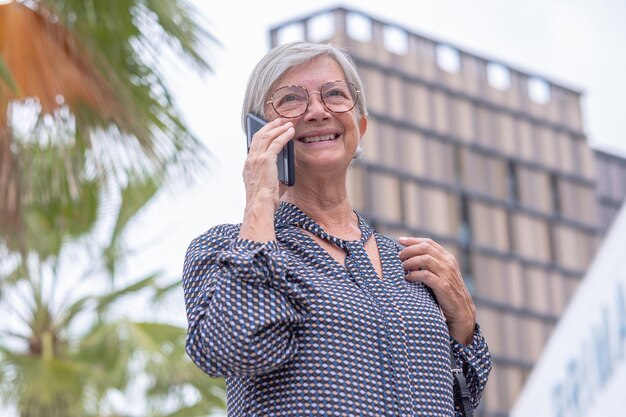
(428, 262)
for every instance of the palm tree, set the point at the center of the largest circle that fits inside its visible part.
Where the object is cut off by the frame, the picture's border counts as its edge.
(71, 348)
(89, 133)
(96, 69)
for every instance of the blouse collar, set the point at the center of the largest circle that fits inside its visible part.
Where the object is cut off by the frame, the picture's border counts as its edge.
(289, 214)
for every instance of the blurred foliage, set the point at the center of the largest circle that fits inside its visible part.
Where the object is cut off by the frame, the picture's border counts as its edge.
(89, 135)
(104, 63)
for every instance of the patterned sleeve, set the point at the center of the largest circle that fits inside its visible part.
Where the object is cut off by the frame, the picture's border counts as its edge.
(475, 360)
(239, 323)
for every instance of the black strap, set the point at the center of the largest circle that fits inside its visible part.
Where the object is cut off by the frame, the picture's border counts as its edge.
(462, 398)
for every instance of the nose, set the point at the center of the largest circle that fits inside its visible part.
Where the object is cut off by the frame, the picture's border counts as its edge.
(316, 110)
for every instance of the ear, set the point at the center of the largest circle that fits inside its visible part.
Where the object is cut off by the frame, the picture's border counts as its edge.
(362, 126)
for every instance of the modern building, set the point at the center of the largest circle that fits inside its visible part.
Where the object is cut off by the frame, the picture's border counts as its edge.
(582, 371)
(611, 185)
(486, 158)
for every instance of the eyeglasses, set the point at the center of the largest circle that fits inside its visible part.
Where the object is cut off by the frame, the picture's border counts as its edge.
(293, 100)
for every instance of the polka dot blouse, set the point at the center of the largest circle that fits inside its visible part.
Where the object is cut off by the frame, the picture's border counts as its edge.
(295, 333)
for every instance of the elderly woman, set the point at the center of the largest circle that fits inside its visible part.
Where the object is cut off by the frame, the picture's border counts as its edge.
(303, 307)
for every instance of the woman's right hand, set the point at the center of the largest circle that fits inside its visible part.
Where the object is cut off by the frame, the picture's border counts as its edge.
(260, 176)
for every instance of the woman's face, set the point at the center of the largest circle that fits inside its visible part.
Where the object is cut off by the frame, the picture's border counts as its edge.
(324, 141)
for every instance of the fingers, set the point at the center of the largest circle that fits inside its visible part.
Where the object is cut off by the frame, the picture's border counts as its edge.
(260, 172)
(425, 276)
(277, 130)
(426, 261)
(278, 143)
(421, 263)
(417, 245)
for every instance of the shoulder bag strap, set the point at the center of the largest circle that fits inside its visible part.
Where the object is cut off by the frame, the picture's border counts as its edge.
(462, 398)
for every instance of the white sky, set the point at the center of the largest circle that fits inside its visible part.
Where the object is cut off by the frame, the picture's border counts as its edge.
(579, 43)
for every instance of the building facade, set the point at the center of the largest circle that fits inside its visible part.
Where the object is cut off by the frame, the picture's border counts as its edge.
(582, 370)
(611, 186)
(487, 159)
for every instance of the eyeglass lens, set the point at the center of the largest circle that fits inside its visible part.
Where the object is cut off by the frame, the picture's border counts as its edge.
(293, 101)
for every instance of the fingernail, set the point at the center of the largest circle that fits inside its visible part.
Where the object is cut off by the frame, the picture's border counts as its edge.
(402, 238)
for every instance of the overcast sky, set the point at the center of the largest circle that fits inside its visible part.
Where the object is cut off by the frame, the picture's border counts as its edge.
(579, 43)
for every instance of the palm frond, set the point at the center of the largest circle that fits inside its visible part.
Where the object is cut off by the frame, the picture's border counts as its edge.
(7, 79)
(161, 292)
(119, 101)
(106, 300)
(50, 61)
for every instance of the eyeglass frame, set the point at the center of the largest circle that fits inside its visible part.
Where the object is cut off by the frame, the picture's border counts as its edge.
(308, 101)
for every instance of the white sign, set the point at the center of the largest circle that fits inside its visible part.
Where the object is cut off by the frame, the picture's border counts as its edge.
(582, 371)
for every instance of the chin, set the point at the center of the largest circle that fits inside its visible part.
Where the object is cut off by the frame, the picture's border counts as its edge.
(324, 165)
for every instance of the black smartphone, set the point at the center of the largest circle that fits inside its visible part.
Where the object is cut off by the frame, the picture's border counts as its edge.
(286, 171)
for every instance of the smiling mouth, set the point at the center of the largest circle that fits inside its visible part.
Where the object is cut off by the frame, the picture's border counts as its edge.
(321, 138)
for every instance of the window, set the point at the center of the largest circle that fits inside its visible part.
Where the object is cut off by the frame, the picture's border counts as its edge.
(565, 152)
(386, 201)
(395, 40)
(489, 226)
(440, 160)
(494, 398)
(291, 33)
(491, 281)
(537, 289)
(388, 149)
(441, 211)
(558, 289)
(498, 76)
(474, 176)
(462, 113)
(321, 27)
(465, 257)
(413, 153)
(395, 93)
(441, 112)
(359, 27)
(538, 90)
(465, 265)
(527, 140)
(531, 237)
(465, 230)
(547, 146)
(578, 201)
(554, 194)
(485, 131)
(375, 87)
(505, 134)
(535, 339)
(448, 58)
(574, 247)
(513, 272)
(413, 210)
(534, 189)
(419, 105)
(512, 189)
(490, 324)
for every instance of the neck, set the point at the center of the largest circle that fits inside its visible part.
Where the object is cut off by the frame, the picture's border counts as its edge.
(326, 201)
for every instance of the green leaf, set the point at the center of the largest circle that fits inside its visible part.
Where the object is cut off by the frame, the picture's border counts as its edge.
(161, 292)
(105, 301)
(5, 75)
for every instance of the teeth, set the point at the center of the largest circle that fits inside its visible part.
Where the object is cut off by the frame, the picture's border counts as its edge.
(319, 138)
